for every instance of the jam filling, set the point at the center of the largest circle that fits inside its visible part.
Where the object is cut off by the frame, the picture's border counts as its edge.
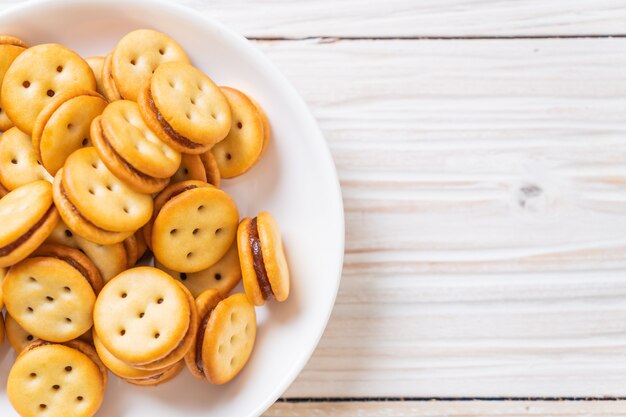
(176, 137)
(200, 340)
(5, 250)
(257, 261)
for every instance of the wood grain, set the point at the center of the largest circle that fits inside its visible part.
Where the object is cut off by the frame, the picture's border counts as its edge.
(451, 409)
(413, 18)
(483, 187)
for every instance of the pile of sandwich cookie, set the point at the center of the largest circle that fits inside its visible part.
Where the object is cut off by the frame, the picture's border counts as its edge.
(104, 161)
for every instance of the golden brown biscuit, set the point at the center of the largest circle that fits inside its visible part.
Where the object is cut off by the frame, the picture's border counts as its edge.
(213, 176)
(110, 89)
(36, 76)
(97, 63)
(10, 48)
(18, 160)
(263, 264)
(185, 108)
(194, 229)
(225, 337)
(190, 169)
(28, 217)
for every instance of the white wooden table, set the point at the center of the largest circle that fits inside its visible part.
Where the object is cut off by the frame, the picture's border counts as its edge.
(481, 146)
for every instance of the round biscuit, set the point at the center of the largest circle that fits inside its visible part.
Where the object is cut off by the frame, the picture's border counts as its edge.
(16, 335)
(223, 276)
(101, 197)
(63, 126)
(55, 380)
(166, 375)
(10, 48)
(194, 229)
(142, 315)
(191, 103)
(205, 304)
(109, 259)
(213, 176)
(242, 148)
(77, 223)
(229, 339)
(137, 55)
(96, 63)
(273, 255)
(37, 75)
(191, 168)
(18, 160)
(110, 89)
(246, 260)
(49, 298)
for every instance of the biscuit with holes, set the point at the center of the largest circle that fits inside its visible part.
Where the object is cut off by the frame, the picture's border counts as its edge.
(245, 142)
(10, 48)
(109, 259)
(63, 126)
(185, 108)
(211, 169)
(57, 380)
(18, 160)
(131, 150)
(100, 197)
(50, 298)
(190, 169)
(194, 229)
(137, 55)
(223, 276)
(96, 63)
(36, 76)
(110, 89)
(145, 318)
(28, 217)
(131, 374)
(263, 263)
(225, 337)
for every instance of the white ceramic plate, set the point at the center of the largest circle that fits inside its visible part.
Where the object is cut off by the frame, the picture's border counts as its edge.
(296, 181)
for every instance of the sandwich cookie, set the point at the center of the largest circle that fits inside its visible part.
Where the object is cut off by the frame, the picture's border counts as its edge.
(110, 89)
(225, 338)
(145, 318)
(247, 138)
(96, 63)
(110, 260)
(10, 48)
(211, 169)
(63, 126)
(131, 150)
(134, 375)
(194, 229)
(36, 76)
(263, 264)
(94, 203)
(57, 380)
(28, 217)
(18, 160)
(190, 169)
(185, 108)
(223, 276)
(137, 55)
(52, 297)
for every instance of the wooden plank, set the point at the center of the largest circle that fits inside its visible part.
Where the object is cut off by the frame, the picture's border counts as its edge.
(413, 18)
(451, 409)
(483, 185)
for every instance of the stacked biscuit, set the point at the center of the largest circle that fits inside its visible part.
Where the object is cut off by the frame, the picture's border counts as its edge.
(101, 161)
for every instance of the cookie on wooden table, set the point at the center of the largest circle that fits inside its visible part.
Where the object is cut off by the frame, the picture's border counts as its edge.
(223, 276)
(36, 76)
(52, 298)
(18, 160)
(185, 108)
(263, 263)
(109, 259)
(57, 380)
(10, 48)
(131, 150)
(28, 217)
(247, 138)
(194, 229)
(63, 126)
(225, 339)
(145, 318)
(134, 375)
(97, 63)
(137, 55)
(94, 203)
